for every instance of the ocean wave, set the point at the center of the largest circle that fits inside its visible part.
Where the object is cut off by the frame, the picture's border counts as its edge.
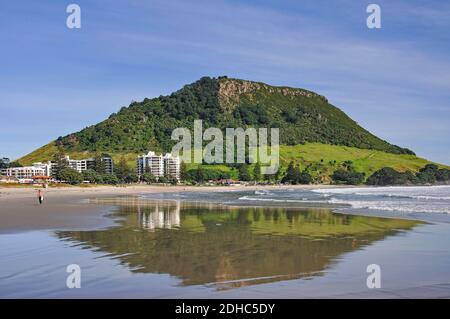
(405, 207)
(440, 193)
(303, 200)
(384, 189)
(427, 197)
(263, 192)
(402, 196)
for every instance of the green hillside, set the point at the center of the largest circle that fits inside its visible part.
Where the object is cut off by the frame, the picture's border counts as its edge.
(313, 133)
(321, 159)
(48, 151)
(302, 117)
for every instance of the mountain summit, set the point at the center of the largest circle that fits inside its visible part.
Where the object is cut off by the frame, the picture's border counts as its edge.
(302, 116)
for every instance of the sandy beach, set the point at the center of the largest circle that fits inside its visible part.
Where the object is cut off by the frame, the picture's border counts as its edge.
(180, 242)
(14, 192)
(68, 208)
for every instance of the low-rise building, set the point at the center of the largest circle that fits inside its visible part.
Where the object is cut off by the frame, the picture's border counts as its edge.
(27, 172)
(81, 165)
(89, 163)
(47, 169)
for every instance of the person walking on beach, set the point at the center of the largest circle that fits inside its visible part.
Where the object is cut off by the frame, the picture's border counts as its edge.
(40, 195)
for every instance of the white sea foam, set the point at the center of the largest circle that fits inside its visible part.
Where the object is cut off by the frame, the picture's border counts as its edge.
(259, 199)
(263, 192)
(401, 199)
(423, 199)
(398, 195)
(386, 190)
(399, 206)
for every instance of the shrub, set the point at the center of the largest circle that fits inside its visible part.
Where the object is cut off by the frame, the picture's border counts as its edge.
(71, 176)
(304, 178)
(295, 176)
(131, 178)
(110, 179)
(149, 178)
(342, 176)
(92, 176)
(427, 174)
(389, 176)
(443, 175)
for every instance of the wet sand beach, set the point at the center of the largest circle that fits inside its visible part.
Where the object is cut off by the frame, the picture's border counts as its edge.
(69, 208)
(214, 242)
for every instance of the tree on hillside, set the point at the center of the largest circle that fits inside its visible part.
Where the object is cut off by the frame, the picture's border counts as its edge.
(163, 179)
(277, 175)
(70, 176)
(342, 176)
(257, 172)
(61, 163)
(183, 171)
(427, 174)
(199, 174)
(92, 176)
(131, 177)
(15, 164)
(110, 179)
(443, 175)
(149, 178)
(295, 176)
(244, 175)
(99, 165)
(347, 165)
(121, 169)
(292, 174)
(347, 174)
(304, 178)
(4, 162)
(389, 176)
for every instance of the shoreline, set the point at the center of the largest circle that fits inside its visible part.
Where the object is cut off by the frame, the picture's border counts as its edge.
(74, 209)
(66, 208)
(22, 192)
(25, 225)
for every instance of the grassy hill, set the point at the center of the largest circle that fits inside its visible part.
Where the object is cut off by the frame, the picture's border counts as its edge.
(324, 159)
(48, 151)
(302, 117)
(321, 159)
(313, 133)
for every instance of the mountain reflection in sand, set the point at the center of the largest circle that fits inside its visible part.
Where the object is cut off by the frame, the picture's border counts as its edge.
(228, 247)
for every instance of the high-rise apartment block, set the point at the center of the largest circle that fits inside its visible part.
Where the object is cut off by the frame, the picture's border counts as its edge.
(159, 165)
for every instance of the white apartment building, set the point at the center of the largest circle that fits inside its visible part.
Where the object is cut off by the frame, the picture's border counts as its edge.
(27, 172)
(151, 163)
(159, 165)
(89, 163)
(172, 166)
(80, 165)
(45, 169)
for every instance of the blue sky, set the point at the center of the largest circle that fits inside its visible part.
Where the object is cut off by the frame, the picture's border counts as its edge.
(394, 81)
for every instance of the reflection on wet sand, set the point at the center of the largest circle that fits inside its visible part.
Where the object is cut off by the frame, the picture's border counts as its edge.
(160, 216)
(228, 247)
